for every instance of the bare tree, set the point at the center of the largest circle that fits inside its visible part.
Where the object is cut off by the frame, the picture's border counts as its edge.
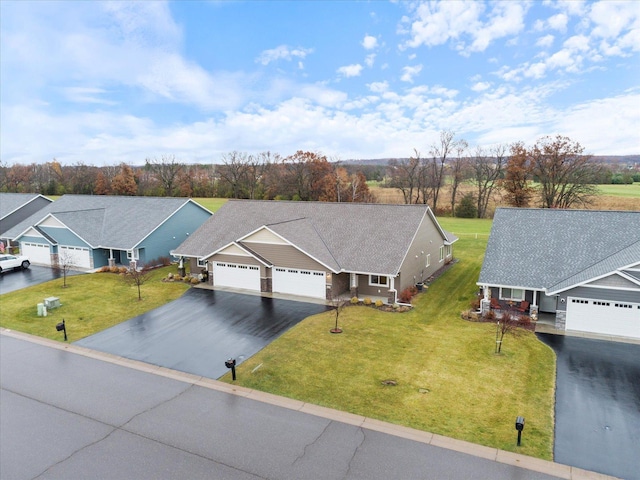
(507, 324)
(439, 152)
(457, 171)
(487, 169)
(66, 261)
(567, 176)
(338, 307)
(233, 173)
(404, 175)
(518, 191)
(167, 169)
(137, 277)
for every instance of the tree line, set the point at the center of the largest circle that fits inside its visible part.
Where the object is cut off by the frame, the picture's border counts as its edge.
(565, 177)
(302, 176)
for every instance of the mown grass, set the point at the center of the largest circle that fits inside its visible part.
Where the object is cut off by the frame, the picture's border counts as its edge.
(449, 381)
(90, 303)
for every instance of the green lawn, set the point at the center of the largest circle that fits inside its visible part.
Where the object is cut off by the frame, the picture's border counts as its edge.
(212, 204)
(90, 303)
(631, 191)
(449, 381)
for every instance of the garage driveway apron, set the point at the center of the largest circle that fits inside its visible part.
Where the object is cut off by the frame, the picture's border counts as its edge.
(597, 405)
(199, 331)
(18, 279)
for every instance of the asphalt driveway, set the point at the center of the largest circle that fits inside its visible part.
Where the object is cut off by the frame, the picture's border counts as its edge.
(597, 405)
(199, 331)
(17, 279)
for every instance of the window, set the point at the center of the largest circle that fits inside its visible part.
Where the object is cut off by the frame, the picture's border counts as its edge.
(428, 260)
(516, 294)
(378, 280)
(442, 253)
(202, 263)
(133, 254)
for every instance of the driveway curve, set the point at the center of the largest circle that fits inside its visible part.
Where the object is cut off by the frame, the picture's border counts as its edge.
(11, 281)
(597, 405)
(199, 331)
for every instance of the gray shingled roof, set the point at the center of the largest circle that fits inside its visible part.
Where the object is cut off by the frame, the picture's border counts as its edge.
(10, 202)
(107, 221)
(557, 249)
(352, 237)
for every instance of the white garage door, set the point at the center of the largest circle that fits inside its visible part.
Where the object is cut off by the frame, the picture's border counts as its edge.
(75, 256)
(236, 276)
(307, 283)
(38, 253)
(604, 316)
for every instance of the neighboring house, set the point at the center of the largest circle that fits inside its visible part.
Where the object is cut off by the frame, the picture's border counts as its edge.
(581, 266)
(16, 207)
(91, 231)
(318, 249)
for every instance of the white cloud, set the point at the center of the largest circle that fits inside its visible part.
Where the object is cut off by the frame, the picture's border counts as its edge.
(436, 23)
(370, 59)
(558, 22)
(408, 73)
(480, 86)
(379, 87)
(545, 41)
(282, 52)
(350, 70)
(369, 42)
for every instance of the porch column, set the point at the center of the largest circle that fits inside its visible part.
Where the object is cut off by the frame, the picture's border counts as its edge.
(112, 261)
(485, 303)
(353, 284)
(533, 308)
(391, 295)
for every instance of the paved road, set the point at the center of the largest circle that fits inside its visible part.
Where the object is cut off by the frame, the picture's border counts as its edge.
(15, 280)
(66, 415)
(200, 330)
(597, 405)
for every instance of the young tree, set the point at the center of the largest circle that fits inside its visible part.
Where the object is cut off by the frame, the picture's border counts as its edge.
(167, 171)
(338, 307)
(137, 277)
(66, 261)
(506, 324)
(518, 191)
(458, 169)
(567, 177)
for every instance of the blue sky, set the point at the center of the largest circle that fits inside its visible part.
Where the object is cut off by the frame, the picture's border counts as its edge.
(104, 83)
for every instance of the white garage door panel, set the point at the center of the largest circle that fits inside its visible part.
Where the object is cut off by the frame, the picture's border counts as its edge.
(37, 253)
(236, 276)
(307, 283)
(75, 256)
(603, 316)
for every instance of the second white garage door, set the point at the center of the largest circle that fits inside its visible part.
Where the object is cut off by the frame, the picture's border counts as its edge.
(307, 283)
(236, 276)
(603, 316)
(75, 256)
(38, 253)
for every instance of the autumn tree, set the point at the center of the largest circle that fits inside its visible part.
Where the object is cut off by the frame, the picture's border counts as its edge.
(567, 177)
(124, 183)
(517, 176)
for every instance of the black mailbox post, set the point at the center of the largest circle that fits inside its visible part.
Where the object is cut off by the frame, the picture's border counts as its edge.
(231, 363)
(61, 327)
(519, 427)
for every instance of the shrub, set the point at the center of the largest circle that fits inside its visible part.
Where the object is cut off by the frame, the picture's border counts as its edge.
(123, 270)
(490, 315)
(524, 320)
(177, 278)
(379, 303)
(104, 269)
(194, 281)
(114, 269)
(407, 294)
(367, 301)
(475, 304)
(354, 300)
(467, 207)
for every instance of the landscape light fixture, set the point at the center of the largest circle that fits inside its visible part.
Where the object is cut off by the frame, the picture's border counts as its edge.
(519, 427)
(62, 327)
(231, 363)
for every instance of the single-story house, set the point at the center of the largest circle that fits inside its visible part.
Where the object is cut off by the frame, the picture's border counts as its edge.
(16, 207)
(319, 249)
(93, 231)
(580, 266)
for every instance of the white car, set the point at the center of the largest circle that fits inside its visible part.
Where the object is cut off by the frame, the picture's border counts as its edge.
(10, 262)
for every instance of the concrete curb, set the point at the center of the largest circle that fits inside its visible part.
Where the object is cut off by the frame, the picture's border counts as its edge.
(523, 461)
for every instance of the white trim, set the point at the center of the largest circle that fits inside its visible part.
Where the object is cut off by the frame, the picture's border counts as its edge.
(601, 287)
(428, 261)
(517, 299)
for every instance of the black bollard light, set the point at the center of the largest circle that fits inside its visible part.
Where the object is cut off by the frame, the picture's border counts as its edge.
(519, 427)
(61, 327)
(231, 363)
